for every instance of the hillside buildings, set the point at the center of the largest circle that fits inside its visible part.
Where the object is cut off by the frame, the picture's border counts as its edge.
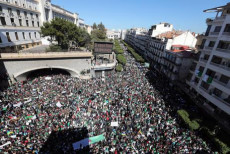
(20, 22)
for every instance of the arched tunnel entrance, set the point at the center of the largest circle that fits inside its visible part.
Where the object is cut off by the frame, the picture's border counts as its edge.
(46, 72)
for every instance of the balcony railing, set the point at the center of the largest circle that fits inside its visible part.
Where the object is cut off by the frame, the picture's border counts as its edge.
(208, 48)
(223, 50)
(11, 14)
(226, 33)
(2, 14)
(220, 18)
(220, 99)
(226, 67)
(214, 33)
(203, 60)
(221, 83)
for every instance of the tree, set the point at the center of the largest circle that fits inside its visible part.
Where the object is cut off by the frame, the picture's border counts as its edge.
(99, 34)
(94, 26)
(65, 33)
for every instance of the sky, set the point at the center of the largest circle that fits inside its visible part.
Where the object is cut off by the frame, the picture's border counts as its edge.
(126, 14)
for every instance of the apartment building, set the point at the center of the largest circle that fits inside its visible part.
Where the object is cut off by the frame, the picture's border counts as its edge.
(209, 77)
(160, 28)
(113, 34)
(20, 22)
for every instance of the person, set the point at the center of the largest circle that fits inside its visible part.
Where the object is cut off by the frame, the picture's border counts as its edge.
(49, 114)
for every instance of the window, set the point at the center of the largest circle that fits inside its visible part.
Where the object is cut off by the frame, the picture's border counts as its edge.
(210, 73)
(9, 10)
(16, 3)
(208, 30)
(227, 28)
(12, 21)
(30, 35)
(37, 16)
(224, 79)
(8, 36)
(0, 9)
(33, 23)
(35, 35)
(3, 21)
(16, 35)
(223, 45)
(38, 24)
(211, 43)
(202, 44)
(0, 39)
(205, 85)
(206, 57)
(18, 12)
(25, 13)
(217, 92)
(31, 15)
(20, 22)
(27, 23)
(217, 29)
(23, 34)
(216, 60)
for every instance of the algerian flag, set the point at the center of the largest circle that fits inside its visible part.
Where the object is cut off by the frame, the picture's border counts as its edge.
(29, 117)
(96, 139)
(205, 78)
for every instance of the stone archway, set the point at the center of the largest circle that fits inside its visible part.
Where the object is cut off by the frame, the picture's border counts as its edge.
(22, 76)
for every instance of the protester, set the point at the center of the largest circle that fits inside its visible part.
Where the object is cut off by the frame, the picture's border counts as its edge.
(31, 111)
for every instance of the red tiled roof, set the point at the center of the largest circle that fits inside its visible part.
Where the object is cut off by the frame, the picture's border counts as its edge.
(170, 34)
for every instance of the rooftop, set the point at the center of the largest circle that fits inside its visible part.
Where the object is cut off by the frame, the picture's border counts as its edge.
(170, 34)
(218, 9)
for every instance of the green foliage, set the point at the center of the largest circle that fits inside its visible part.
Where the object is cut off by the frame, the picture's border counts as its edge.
(98, 33)
(118, 48)
(94, 26)
(54, 48)
(65, 33)
(121, 59)
(134, 53)
(193, 125)
(119, 68)
(223, 148)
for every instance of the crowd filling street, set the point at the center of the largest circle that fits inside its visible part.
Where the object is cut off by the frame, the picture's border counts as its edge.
(147, 121)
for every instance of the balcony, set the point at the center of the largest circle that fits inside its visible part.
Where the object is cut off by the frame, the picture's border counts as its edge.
(226, 33)
(11, 14)
(2, 14)
(220, 99)
(208, 48)
(223, 50)
(226, 67)
(224, 85)
(214, 33)
(203, 60)
(221, 18)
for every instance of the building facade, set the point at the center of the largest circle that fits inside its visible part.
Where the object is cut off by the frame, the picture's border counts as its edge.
(168, 52)
(20, 22)
(209, 76)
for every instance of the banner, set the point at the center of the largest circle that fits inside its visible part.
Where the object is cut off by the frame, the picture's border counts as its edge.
(85, 142)
(81, 144)
(114, 124)
(7, 143)
(96, 139)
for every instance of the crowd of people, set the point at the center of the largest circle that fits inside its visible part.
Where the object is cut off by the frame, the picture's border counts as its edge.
(48, 114)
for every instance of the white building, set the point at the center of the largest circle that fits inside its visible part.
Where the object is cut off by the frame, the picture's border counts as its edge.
(123, 34)
(20, 22)
(81, 23)
(113, 34)
(167, 52)
(209, 77)
(160, 28)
